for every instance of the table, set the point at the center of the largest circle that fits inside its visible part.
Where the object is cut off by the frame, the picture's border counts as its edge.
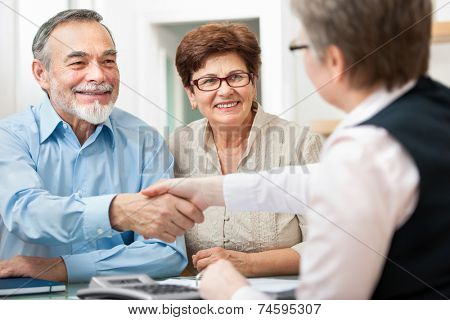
(72, 288)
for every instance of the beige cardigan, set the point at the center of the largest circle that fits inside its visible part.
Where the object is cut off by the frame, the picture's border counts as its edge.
(273, 142)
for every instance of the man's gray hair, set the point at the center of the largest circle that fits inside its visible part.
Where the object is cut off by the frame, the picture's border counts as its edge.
(44, 32)
(383, 41)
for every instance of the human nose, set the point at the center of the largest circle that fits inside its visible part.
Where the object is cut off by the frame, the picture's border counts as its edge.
(224, 88)
(95, 73)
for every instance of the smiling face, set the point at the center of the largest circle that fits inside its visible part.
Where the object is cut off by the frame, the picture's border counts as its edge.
(226, 105)
(83, 78)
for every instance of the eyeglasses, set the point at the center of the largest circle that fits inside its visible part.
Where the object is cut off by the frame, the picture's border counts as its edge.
(235, 80)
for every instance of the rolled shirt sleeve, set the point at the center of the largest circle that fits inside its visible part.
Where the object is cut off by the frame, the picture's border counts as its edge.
(153, 257)
(299, 247)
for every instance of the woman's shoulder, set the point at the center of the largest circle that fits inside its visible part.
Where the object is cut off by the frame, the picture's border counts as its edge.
(271, 122)
(297, 139)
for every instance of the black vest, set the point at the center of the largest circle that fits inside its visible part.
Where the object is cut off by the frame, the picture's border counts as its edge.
(420, 121)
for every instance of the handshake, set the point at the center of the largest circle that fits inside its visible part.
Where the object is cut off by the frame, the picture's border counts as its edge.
(166, 209)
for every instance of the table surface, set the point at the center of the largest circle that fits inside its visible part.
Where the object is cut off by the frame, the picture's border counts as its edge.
(72, 288)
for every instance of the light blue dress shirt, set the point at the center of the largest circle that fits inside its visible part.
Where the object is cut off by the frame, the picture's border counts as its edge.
(55, 194)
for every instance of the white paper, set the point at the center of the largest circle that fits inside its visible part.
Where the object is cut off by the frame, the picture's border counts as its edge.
(272, 285)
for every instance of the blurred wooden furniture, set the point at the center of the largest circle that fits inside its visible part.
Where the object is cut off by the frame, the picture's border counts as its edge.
(441, 32)
(324, 126)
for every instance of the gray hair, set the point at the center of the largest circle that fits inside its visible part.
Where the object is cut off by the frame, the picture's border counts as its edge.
(383, 41)
(44, 32)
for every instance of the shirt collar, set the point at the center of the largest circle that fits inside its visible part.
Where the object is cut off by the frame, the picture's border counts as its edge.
(373, 104)
(107, 124)
(49, 121)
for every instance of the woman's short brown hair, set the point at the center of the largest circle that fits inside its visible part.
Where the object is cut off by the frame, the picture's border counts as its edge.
(383, 41)
(216, 38)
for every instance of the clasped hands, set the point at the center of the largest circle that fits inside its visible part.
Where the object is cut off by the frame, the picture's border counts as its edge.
(166, 209)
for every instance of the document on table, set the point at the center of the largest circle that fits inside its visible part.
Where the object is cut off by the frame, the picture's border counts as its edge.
(16, 286)
(271, 285)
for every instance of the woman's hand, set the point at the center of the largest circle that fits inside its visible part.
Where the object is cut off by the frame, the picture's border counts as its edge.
(240, 260)
(202, 192)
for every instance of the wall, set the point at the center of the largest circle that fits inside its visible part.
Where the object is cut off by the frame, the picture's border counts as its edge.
(285, 88)
(151, 17)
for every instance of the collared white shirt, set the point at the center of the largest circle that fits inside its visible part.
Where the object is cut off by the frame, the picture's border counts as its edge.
(365, 187)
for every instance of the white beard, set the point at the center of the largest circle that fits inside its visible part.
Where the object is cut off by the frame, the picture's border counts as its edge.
(94, 113)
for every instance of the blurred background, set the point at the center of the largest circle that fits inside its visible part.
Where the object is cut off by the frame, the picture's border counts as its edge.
(147, 34)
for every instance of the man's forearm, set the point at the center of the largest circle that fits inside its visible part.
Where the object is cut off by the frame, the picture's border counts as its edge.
(153, 257)
(65, 213)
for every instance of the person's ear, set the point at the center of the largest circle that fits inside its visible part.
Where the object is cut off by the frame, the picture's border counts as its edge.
(191, 96)
(41, 74)
(335, 62)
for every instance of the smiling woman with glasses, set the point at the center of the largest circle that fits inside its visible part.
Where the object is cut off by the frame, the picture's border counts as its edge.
(219, 65)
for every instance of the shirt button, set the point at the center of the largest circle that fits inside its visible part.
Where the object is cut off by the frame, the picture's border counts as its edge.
(99, 231)
(226, 240)
(226, 219)
(65, 126)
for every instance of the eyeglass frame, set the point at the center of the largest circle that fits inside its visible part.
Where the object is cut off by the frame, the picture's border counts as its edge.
(250, 75)
(294, 47)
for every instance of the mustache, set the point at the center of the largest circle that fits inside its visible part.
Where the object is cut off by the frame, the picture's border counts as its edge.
(103, 87)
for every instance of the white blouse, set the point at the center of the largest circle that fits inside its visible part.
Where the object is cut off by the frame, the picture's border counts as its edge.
(365, 187)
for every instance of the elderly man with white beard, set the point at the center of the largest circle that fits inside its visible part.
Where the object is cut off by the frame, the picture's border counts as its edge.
(72, 168)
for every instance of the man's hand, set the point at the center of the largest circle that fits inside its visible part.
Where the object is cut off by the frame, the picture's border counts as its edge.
(202, 192)
(240, 260)
(163, 216)
(220, 281)
(53, 269)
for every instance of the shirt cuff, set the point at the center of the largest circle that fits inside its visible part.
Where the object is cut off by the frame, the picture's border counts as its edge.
(96, 217)
(236, 192)
(299, 247)
(248, 293)
(81, 267)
